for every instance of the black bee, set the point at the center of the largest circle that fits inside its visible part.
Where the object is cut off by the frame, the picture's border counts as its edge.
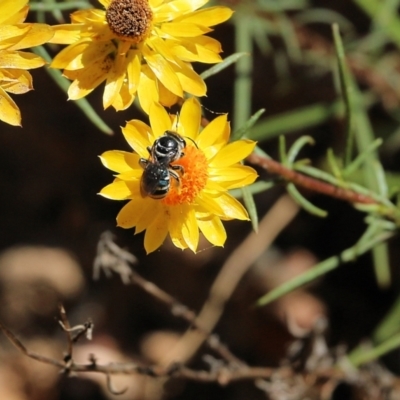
(156, 178)
(168, 148)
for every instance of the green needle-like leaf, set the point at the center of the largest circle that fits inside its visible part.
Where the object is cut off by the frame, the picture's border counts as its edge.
(361, 247)
(302, 201)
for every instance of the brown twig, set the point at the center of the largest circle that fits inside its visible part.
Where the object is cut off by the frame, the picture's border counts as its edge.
(14, 340)
(111, 258)
(223, 374)
(270, 380)
(308, 182)
(321, 374)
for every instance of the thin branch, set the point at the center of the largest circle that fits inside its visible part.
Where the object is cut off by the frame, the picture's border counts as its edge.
(222, 375)
(308, 182)
(67, 329)
(111, 258)
(13, 339)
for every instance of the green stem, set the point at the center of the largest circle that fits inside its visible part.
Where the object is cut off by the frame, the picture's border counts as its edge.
(71, 5)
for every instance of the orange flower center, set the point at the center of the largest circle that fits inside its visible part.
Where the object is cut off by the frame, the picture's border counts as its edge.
(130, 19)
(193, 179)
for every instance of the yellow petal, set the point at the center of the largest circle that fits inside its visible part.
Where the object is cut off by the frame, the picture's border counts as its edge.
(131, 212)
(206, 42)
(147, 90)
(208, 202)
(133, 71)
(190, 229)
(18, 17)
(241, 183)
(234, 176)
(213, 230)
(193, 50)
(119, 161)
(89, 78)
(105, 3)
(9, 8)
(66, 33)
(138, 135)
(189, 118)
(159, 120)
(179, 241)
(170, 10)
(153, 208)
(207, 17)
(123, 99)
(156, 233)
(132, 174)
(166, 97)
(88, 54)
(176, 222)
(20, 59)
(164, 71)
(161, 46)
(232, 209)
(183, 29)
(84, 54)
(93, 17)
(16, 81)
(155, 3)
(191, 82)
(71, 56)
(37, 35)
(118, 190)
(9, 111)
(233, 153)
(214, 134)
(213, 188)
(114, 82)
(9, 35)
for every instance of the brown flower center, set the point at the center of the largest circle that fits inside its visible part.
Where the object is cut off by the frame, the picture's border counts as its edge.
(130, 19)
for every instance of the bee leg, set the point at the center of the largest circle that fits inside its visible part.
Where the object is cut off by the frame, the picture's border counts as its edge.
(175, 176)
(143, 162)
(177, 168)
(148, 149)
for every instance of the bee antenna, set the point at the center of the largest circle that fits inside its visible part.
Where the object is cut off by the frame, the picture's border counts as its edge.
(213, 112)
(187, 137)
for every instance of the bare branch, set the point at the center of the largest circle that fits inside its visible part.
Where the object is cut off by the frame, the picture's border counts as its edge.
(111, 258)
(13, 339)
(271, 380)
(308, 182)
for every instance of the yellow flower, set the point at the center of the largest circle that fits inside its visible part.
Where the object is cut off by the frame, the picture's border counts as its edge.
(139, 46)
(14, 36)
(198, 197)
